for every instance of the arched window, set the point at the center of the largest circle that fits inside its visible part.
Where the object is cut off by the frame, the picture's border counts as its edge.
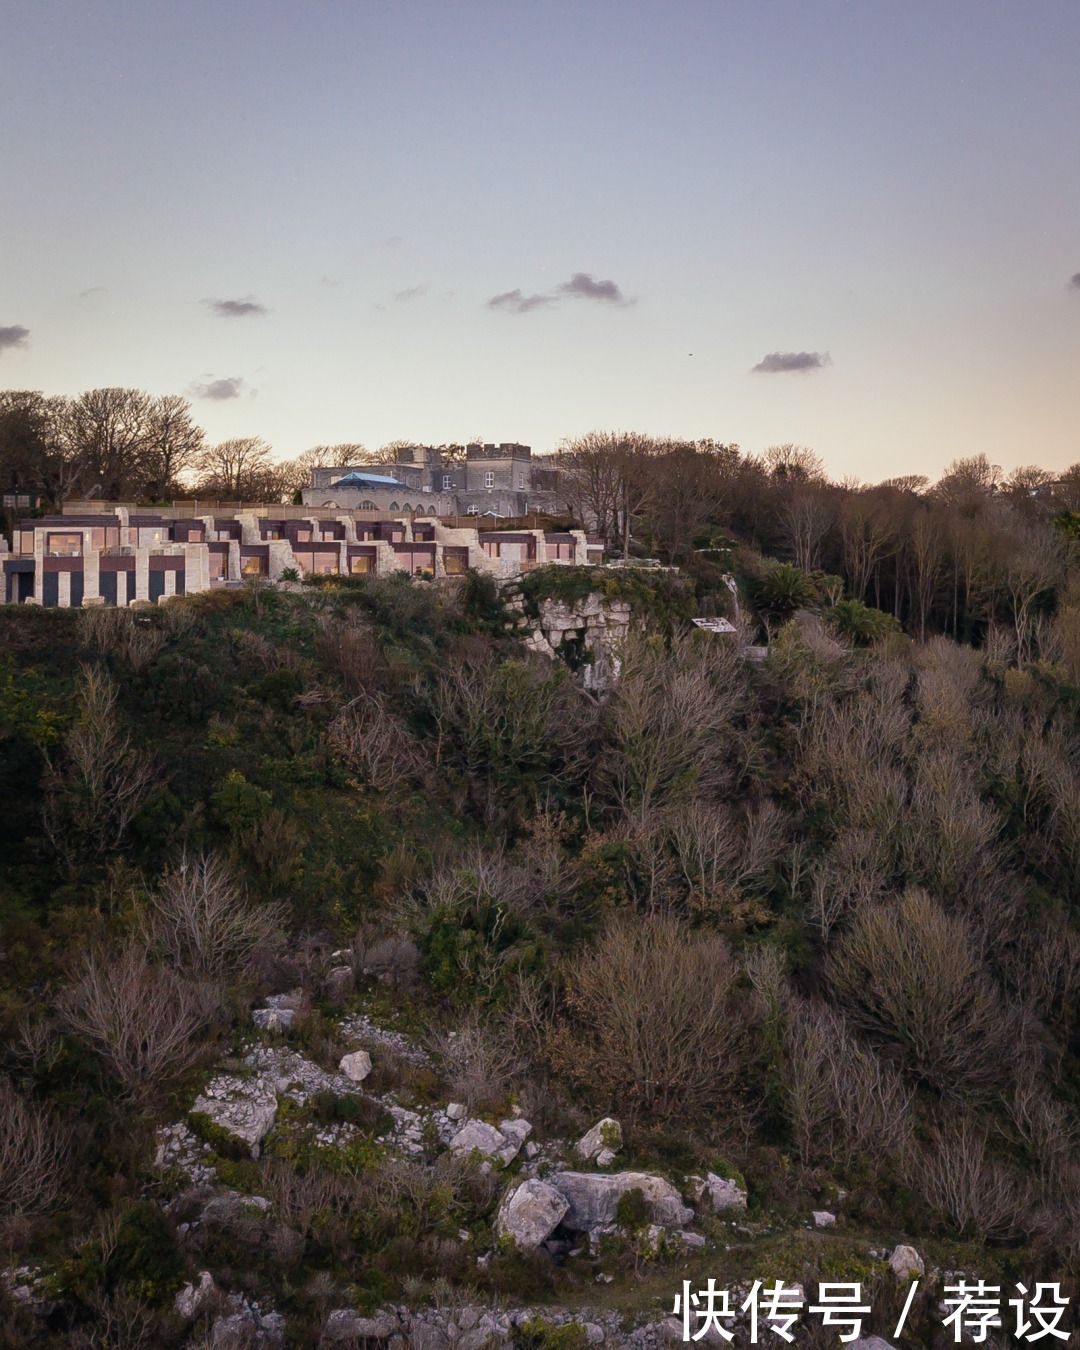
(393, 507)
(332, 505)
(368, 506)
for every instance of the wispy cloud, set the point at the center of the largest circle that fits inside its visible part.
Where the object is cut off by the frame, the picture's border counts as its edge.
(92, 291)
(410, 293)
(581, 286)
(236, 309)
(586, 287)
(518, 303)
(219, 390)
(780, 363)
(1074, 281)
(14, 336)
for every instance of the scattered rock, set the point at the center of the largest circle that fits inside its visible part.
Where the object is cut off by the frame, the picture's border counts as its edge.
(194, 1299)
(906, 1263)
(456, 1111)
(823, 1219)
(356, 1066)
(605, 1157)
(274, 1019)
(242, 1107)
(344, 1325)
(339, 982)
(531, 1213)
(604, 1137)
(593, 1198)
(503, 1143)
(721, 1193)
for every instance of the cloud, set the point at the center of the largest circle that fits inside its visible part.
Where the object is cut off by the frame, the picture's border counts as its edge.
(236, 309)
(1074, 281)
(15, 336)
(517, 303)
(581, 286)
(410, 293)
(779, 363)
(91, 291)
(219, 390)
(586, 287)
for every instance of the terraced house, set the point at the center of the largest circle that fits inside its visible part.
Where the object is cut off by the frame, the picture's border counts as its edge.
(114, 555)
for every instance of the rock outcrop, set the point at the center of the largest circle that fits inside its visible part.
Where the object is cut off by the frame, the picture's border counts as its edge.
(502, 1144)
(531, 1213)
(591, 629)
(601, 1143)
(593, 1198)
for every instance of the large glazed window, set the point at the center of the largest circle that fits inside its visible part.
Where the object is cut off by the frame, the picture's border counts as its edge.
(64, 545)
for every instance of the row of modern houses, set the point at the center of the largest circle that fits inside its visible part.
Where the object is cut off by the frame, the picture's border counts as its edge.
(111, 554)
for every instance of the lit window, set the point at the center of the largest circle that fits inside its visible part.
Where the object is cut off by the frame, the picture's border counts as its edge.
(65, 545)
(252, 566)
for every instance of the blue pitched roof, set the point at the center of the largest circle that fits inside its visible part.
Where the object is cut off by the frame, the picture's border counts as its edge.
(367, 480)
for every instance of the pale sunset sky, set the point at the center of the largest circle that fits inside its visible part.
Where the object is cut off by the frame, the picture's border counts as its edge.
(851, 224)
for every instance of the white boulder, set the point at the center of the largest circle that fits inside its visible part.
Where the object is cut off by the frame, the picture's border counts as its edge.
(502, 1143)
(530, 1213)
(823, 1219)
(356, 1066)
(604, 1137)
(721, 1193)
(194, 1299)
(906, 1263)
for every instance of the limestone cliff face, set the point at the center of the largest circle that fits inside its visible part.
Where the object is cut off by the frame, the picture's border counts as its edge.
(585, 633)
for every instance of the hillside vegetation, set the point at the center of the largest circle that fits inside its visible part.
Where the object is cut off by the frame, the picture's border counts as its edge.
(812, 921)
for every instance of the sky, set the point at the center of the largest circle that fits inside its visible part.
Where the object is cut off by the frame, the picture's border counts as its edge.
(849, 224)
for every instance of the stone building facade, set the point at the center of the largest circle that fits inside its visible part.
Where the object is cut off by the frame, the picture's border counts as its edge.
(493, 480)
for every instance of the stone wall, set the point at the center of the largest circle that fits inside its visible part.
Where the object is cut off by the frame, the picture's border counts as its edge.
(586, 633)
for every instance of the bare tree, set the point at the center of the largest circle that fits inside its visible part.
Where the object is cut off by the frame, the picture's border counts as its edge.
(175, 443)
(911, 975)
(590, 480)
(842, 1100)
(146, 1022)
(240, 468)
(35, 1154)
(866, 535)
(201, 920)
(100, 782)
(376, 744)
(962, 1180)
(481, 1061)
(807, 515)
(718, 853)
(1035, 563)
(669, 726)
(111, 432)
(656, 1020)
